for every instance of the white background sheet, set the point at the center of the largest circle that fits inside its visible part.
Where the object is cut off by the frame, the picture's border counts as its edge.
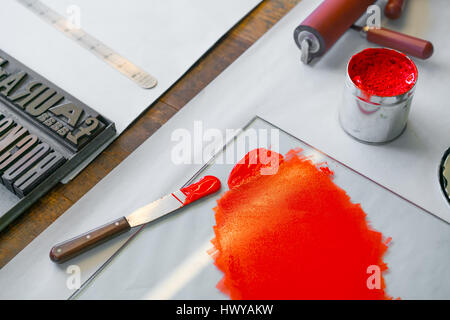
(270, 81)
(164, 37)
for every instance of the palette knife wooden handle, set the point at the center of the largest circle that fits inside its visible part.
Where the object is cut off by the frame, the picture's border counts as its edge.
(75, 246)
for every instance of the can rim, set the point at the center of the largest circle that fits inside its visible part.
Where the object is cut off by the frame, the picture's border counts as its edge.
(382, 100)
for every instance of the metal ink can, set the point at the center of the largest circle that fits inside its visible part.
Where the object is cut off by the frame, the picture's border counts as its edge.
(376, 118)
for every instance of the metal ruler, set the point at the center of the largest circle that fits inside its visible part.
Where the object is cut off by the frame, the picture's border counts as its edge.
(99, 49)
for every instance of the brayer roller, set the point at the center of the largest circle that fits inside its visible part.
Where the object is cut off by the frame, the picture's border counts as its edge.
(322, 28)
(325, 25)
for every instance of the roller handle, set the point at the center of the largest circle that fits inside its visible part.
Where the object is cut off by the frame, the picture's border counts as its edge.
(71, 248)
(399, 41)
(394, 9)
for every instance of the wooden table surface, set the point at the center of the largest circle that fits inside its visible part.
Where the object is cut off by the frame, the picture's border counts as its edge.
(36, 219)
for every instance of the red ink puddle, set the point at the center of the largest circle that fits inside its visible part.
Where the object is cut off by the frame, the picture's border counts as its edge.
(203, 188)
(294, 235)
(252, 164)
(382, 72)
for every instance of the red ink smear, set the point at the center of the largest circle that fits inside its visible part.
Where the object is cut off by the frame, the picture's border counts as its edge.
(382, 72)
(294, 235)
(206, 186)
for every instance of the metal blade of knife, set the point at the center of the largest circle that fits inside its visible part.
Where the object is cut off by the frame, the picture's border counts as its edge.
(156, 209)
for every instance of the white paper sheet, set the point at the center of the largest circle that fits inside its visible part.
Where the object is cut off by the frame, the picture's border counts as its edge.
(268, 80)
(164, 37)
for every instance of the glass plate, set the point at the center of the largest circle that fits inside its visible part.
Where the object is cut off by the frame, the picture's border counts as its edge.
(167, 259)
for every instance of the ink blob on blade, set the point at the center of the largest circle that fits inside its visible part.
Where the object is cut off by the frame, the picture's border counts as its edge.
(294, 234)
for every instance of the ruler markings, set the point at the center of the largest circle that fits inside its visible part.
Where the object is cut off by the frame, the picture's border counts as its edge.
(88, 42)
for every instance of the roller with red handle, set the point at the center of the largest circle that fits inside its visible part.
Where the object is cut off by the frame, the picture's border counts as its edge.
(325, 25)
(331, 19)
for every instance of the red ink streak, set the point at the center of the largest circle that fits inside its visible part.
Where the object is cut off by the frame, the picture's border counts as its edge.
(204, 187)
(177, 198)
(382, 72)
(294, 235)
